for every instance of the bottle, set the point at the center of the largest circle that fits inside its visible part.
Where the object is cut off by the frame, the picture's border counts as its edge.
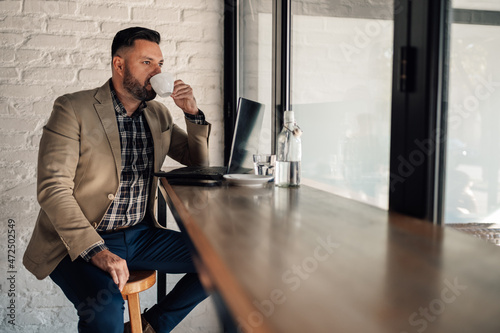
(289, 153)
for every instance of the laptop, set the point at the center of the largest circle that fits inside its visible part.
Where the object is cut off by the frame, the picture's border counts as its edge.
(245, 143)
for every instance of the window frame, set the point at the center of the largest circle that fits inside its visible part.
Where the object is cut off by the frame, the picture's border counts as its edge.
(419, 112)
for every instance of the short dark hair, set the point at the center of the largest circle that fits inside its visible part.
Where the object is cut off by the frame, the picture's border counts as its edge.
(126, 38)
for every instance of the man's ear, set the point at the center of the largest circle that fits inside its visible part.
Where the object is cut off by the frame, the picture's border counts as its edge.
(118, 64)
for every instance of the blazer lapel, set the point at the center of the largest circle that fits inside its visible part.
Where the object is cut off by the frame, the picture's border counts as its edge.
(154, 126)
(106, 113)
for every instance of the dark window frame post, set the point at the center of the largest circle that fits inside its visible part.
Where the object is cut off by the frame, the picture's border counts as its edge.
(281, 60)
(230, 80)
(417, 129)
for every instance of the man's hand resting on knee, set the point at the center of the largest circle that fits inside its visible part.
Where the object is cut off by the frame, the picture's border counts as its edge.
(114, 265)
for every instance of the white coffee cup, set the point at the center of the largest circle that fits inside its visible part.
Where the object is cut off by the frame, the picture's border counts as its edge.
(163, 84)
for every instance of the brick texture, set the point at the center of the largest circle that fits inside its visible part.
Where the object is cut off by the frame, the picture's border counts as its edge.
(48, 48)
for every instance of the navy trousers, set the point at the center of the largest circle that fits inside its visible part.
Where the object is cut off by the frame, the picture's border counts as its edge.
(96, 297)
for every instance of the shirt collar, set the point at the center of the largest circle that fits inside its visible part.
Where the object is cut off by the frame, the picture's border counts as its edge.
(119, 108)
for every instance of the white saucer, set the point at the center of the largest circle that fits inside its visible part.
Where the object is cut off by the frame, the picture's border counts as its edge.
(247, 179)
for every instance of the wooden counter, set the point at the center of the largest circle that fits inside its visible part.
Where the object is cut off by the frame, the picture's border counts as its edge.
(303, 260)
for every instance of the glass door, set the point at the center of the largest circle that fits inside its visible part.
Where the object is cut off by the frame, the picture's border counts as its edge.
(472, 191)
(255, 31)
(341, 85)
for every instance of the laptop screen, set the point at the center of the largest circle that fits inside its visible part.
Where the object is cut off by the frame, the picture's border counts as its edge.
(246, 135)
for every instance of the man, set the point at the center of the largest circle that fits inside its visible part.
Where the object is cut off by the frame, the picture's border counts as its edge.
(96, 190)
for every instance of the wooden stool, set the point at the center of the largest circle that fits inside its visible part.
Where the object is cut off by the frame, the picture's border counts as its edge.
(137, 282)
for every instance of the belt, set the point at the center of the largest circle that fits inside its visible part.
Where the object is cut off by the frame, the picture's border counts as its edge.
(114, 230)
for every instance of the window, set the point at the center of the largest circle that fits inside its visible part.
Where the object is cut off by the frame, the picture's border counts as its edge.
(341, 84)
(399, 106)
(255, 60)
(472, 183)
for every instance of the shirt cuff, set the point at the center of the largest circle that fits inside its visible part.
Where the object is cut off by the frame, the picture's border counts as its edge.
(93, 250)
(198, 119)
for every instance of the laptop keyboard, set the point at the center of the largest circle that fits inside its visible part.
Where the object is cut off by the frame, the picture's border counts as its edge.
(214, 172)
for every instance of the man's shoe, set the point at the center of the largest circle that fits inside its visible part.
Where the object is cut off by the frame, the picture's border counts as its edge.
(146, 328)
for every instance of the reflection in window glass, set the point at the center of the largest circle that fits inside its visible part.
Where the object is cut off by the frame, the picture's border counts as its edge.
(473, 141)
(255, 60)
(341, 84)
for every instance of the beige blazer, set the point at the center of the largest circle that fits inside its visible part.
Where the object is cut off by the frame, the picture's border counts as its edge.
(79, 165)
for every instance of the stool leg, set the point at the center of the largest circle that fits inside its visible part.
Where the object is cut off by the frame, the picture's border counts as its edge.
(134, 311)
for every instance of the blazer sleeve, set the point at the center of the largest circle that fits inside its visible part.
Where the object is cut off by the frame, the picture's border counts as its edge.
(190, 148)
(57, 163)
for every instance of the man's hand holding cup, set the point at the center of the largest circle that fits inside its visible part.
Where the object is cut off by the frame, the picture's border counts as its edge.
(182, 94)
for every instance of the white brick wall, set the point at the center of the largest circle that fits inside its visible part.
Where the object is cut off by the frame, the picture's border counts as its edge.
(48, 48)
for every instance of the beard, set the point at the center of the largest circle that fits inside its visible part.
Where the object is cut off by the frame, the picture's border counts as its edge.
(134, 87)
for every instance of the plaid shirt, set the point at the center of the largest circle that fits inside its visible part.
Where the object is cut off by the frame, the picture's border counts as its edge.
(137, 153)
